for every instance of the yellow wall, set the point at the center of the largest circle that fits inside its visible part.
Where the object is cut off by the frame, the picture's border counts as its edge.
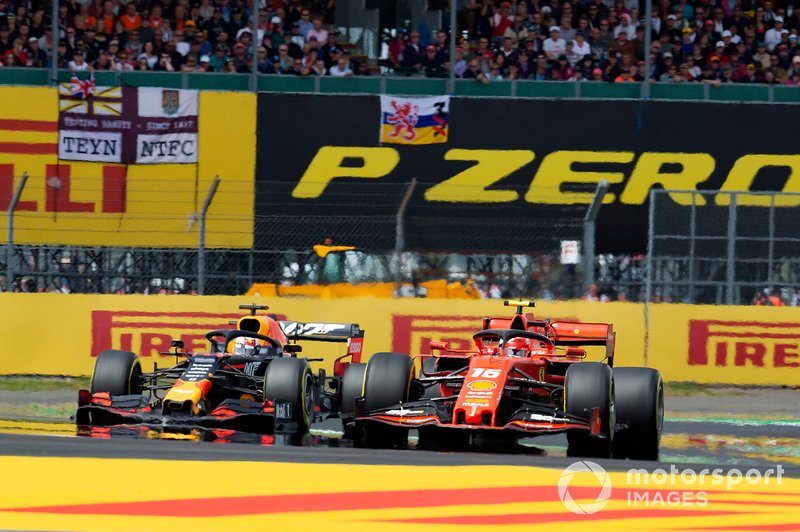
(57, 334)
(160, 200)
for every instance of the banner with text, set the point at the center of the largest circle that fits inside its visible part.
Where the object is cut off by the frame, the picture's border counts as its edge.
(127, 125)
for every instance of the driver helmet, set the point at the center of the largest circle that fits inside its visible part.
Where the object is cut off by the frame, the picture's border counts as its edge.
(247, 346)
(517, 347)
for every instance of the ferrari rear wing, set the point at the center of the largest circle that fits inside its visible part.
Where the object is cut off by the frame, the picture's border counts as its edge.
(573, 333)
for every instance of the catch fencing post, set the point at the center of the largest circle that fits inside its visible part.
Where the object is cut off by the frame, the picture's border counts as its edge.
(201, 252)
(589, 229)
(648, 291)
(400, 235)
(10, 230)
(731, 254)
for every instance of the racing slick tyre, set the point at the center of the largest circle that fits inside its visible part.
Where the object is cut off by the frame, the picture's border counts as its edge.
(387, 382)
(352, 387)
(588, 385)
(117, 372)
(289, 380)
(639, 403)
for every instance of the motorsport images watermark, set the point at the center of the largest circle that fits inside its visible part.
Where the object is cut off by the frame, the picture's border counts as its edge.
(653, 488)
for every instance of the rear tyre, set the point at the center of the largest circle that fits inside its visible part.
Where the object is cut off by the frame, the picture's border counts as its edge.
(639, 402)
(387, 382)
(352, 387)
(289, 380)
(589, 385)
(117, 372)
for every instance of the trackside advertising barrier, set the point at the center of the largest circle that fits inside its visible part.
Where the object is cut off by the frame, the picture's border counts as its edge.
(751, 345)
(126, 166)
(520, 160)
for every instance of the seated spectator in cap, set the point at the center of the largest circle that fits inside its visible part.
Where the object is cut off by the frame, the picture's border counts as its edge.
(295, 36)
(622, 45)
(501, 20)
(330, 50)
(773, 35)
(36, 57)
(342, 67)
(541, 69)
(217, 60)
(597, 75)
(625, 76)
(142, 64)
(555, 45)
(77, 64)
(761, 56)
(751, 76)
(738, 69)
(431, 65)
(524, 64)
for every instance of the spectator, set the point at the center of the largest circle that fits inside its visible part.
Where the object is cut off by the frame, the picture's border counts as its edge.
(555, 45)
(317, 31)
(342, 67)
(474, 72)
(412, 54)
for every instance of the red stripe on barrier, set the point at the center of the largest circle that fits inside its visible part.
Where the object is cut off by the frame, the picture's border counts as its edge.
(29, 125)
(28, 148)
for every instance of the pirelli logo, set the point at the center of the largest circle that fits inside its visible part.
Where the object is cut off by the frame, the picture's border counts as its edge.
(413, 334)
(744, 344)
(147, 333)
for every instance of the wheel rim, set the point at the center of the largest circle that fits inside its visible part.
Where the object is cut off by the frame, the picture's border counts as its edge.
(308, 397)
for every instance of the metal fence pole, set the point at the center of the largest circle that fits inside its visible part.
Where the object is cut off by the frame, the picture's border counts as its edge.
(648, 284)
(731, 266)
(55, 37)
(771, 253)
(400, 233)
(201, 251)
(10, 230)
(692, 245)
(589, 230)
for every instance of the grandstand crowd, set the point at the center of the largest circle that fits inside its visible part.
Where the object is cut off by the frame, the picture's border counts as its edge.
(748, 41)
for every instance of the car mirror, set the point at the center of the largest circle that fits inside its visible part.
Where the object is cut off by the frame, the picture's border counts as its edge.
(293, 348)
(176, 343)
(439, 346)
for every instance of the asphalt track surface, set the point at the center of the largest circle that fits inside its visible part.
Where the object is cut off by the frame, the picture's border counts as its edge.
(545, 451)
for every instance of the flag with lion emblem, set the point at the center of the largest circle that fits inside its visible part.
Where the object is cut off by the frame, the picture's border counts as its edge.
(414, 120)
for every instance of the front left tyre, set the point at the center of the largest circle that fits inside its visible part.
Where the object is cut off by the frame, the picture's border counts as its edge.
(289, 383)
(117, 372)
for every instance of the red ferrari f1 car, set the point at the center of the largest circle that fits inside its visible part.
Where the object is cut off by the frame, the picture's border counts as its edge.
(251, 380)
(525, 377)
